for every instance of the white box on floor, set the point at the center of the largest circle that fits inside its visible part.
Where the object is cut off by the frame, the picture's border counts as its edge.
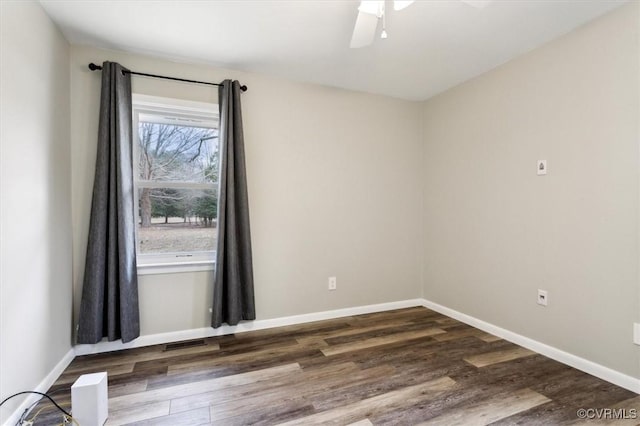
(89, 399)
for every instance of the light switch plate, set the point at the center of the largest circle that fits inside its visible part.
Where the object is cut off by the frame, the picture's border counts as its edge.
(636, 333)
(542, 167)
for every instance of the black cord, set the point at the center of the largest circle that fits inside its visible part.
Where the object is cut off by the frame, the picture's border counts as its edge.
(38, 393)
(28, 409)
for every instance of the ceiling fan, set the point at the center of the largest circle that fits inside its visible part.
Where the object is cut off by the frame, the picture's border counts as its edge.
(372, 11)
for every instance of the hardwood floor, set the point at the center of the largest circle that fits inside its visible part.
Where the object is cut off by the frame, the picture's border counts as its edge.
(409, 366)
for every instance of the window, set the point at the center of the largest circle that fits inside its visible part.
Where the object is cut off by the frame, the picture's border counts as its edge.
(176, 183)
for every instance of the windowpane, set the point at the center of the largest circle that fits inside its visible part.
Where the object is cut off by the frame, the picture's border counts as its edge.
(168, 152)
(176, 220)
(176, 181)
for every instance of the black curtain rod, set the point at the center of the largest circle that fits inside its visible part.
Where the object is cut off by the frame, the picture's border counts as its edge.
(94, 67)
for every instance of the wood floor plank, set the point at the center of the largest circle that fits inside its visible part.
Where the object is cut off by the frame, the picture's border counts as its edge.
(352, 331)
(247, 345)
(221, 369)
(491, 358)
(456, 331)
(159, 353)
(379, 341)
(448, 321)
(631, 404)
(486, 337)
(381, 333)
(488, 411)
(222, 359)
(296, 330)
(363, 422)
(111, 370)
(421, 353)
(413, 312)
(356, 411)
(414, 315)
(137, 412)
(265, 415)
(127, 388)
(197, 417)
(525, 372)
(457, 334)
(302, 393)
(238, 398)
(132, 400)
(195, 375)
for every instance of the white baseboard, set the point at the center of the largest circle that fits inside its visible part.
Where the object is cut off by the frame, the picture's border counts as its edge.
(600, 371)
(43, 387)
(197, 333)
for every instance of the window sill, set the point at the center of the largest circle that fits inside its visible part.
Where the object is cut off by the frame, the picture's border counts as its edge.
(175, 267)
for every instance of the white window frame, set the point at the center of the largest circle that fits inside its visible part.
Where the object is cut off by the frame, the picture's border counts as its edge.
(174, 111)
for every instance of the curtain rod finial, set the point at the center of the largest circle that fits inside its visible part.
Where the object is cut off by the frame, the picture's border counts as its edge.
(94, 67)
(243, 88)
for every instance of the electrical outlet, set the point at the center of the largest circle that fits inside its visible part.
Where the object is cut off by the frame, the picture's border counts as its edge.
(543, 297)
(333, 283)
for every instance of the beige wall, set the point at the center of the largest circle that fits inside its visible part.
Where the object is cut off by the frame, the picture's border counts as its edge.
(333, 190)
(494, 232)
(35, 216)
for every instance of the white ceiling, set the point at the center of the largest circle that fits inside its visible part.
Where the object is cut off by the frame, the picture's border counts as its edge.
(432, 45)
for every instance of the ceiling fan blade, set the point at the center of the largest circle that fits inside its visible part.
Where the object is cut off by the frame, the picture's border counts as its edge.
(373, 7)
(478, 4)
(401, 4)
(364, 31)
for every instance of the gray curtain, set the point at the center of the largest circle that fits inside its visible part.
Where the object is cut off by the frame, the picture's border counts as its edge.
(109, 306)
(233, 299)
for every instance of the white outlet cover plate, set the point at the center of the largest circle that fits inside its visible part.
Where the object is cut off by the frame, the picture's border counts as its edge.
(544, 301)
(332, 283)
(542, 167)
